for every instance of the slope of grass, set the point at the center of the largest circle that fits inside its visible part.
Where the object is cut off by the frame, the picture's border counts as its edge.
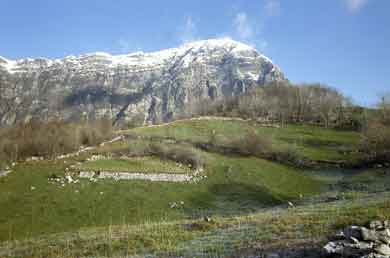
(234, 187)
(314, 143)
(237, 235)
(136, 164)
(31, 206)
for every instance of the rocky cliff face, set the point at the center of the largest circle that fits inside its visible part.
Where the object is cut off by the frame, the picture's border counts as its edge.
(147, 87)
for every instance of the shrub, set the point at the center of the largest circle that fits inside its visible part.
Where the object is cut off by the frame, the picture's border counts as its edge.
(179, 153)
(50, 139)
(289, 155)
(376, 142)
(251, 144)
(256, 144)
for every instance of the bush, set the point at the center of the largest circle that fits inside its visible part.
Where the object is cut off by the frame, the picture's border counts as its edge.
(49, 139)
(254, 144)
(179, 153)
(289, 155)
(376, 142)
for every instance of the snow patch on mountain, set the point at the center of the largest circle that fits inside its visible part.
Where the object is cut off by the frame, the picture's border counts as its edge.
(139, 60)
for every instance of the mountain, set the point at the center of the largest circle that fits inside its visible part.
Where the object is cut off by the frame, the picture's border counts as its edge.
(147, 87)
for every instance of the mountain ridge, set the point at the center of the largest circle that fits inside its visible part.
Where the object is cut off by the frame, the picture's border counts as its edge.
(149, 87)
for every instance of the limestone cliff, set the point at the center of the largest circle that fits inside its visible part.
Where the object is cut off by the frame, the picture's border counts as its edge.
(149, 87)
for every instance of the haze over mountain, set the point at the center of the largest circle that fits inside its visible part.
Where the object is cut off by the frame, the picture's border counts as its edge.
(147, 87)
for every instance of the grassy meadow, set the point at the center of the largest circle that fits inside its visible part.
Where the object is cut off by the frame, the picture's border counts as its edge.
(246, 197)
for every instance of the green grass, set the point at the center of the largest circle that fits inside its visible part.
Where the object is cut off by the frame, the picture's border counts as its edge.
(314, 143)
(245, 196)
(137, 165)
(249, 184)
(267, 230)
(368, 180)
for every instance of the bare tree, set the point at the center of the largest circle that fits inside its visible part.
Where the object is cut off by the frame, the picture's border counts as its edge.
(384, 107)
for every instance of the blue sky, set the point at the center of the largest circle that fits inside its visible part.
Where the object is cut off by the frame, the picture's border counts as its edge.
(342, 43)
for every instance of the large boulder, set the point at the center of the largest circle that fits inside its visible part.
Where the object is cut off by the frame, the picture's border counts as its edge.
(361, 242)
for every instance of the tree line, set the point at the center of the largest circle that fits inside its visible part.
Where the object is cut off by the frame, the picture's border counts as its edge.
(282, 102)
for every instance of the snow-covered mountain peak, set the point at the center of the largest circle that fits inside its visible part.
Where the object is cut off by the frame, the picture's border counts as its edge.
(149, 87)
(193, 50)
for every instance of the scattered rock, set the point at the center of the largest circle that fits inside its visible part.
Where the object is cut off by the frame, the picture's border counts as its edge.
(383, 249)
(97, 157)
(207, 219)
(176, 205)
(173, 205)
(290, 205)
(362, 242)
(35, 159)
(4, 173)
(353, 231)
(32, 188)
(93, 176)
(369, 235)
(376, 224)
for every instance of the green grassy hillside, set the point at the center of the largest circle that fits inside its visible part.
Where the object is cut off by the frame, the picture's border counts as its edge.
(246, 196)
(314, 143)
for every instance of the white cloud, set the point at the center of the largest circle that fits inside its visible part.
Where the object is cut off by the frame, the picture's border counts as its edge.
(188, 31)
(355, 6)
(272, 8)
(243, 27)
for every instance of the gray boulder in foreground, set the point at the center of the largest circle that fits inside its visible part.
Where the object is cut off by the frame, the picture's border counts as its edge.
(362, 242)
(138, 87)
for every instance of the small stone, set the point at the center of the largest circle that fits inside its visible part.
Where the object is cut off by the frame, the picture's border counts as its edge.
(354, 240)
(369, 235)
(32, 188)
(353, 231)
(334, 247)
(383, 249)
(207, 219)
(69, 179)
(376, 225)
(384, 236)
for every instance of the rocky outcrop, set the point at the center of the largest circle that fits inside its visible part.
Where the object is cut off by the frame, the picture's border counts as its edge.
(139, 87)
(362, 242)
